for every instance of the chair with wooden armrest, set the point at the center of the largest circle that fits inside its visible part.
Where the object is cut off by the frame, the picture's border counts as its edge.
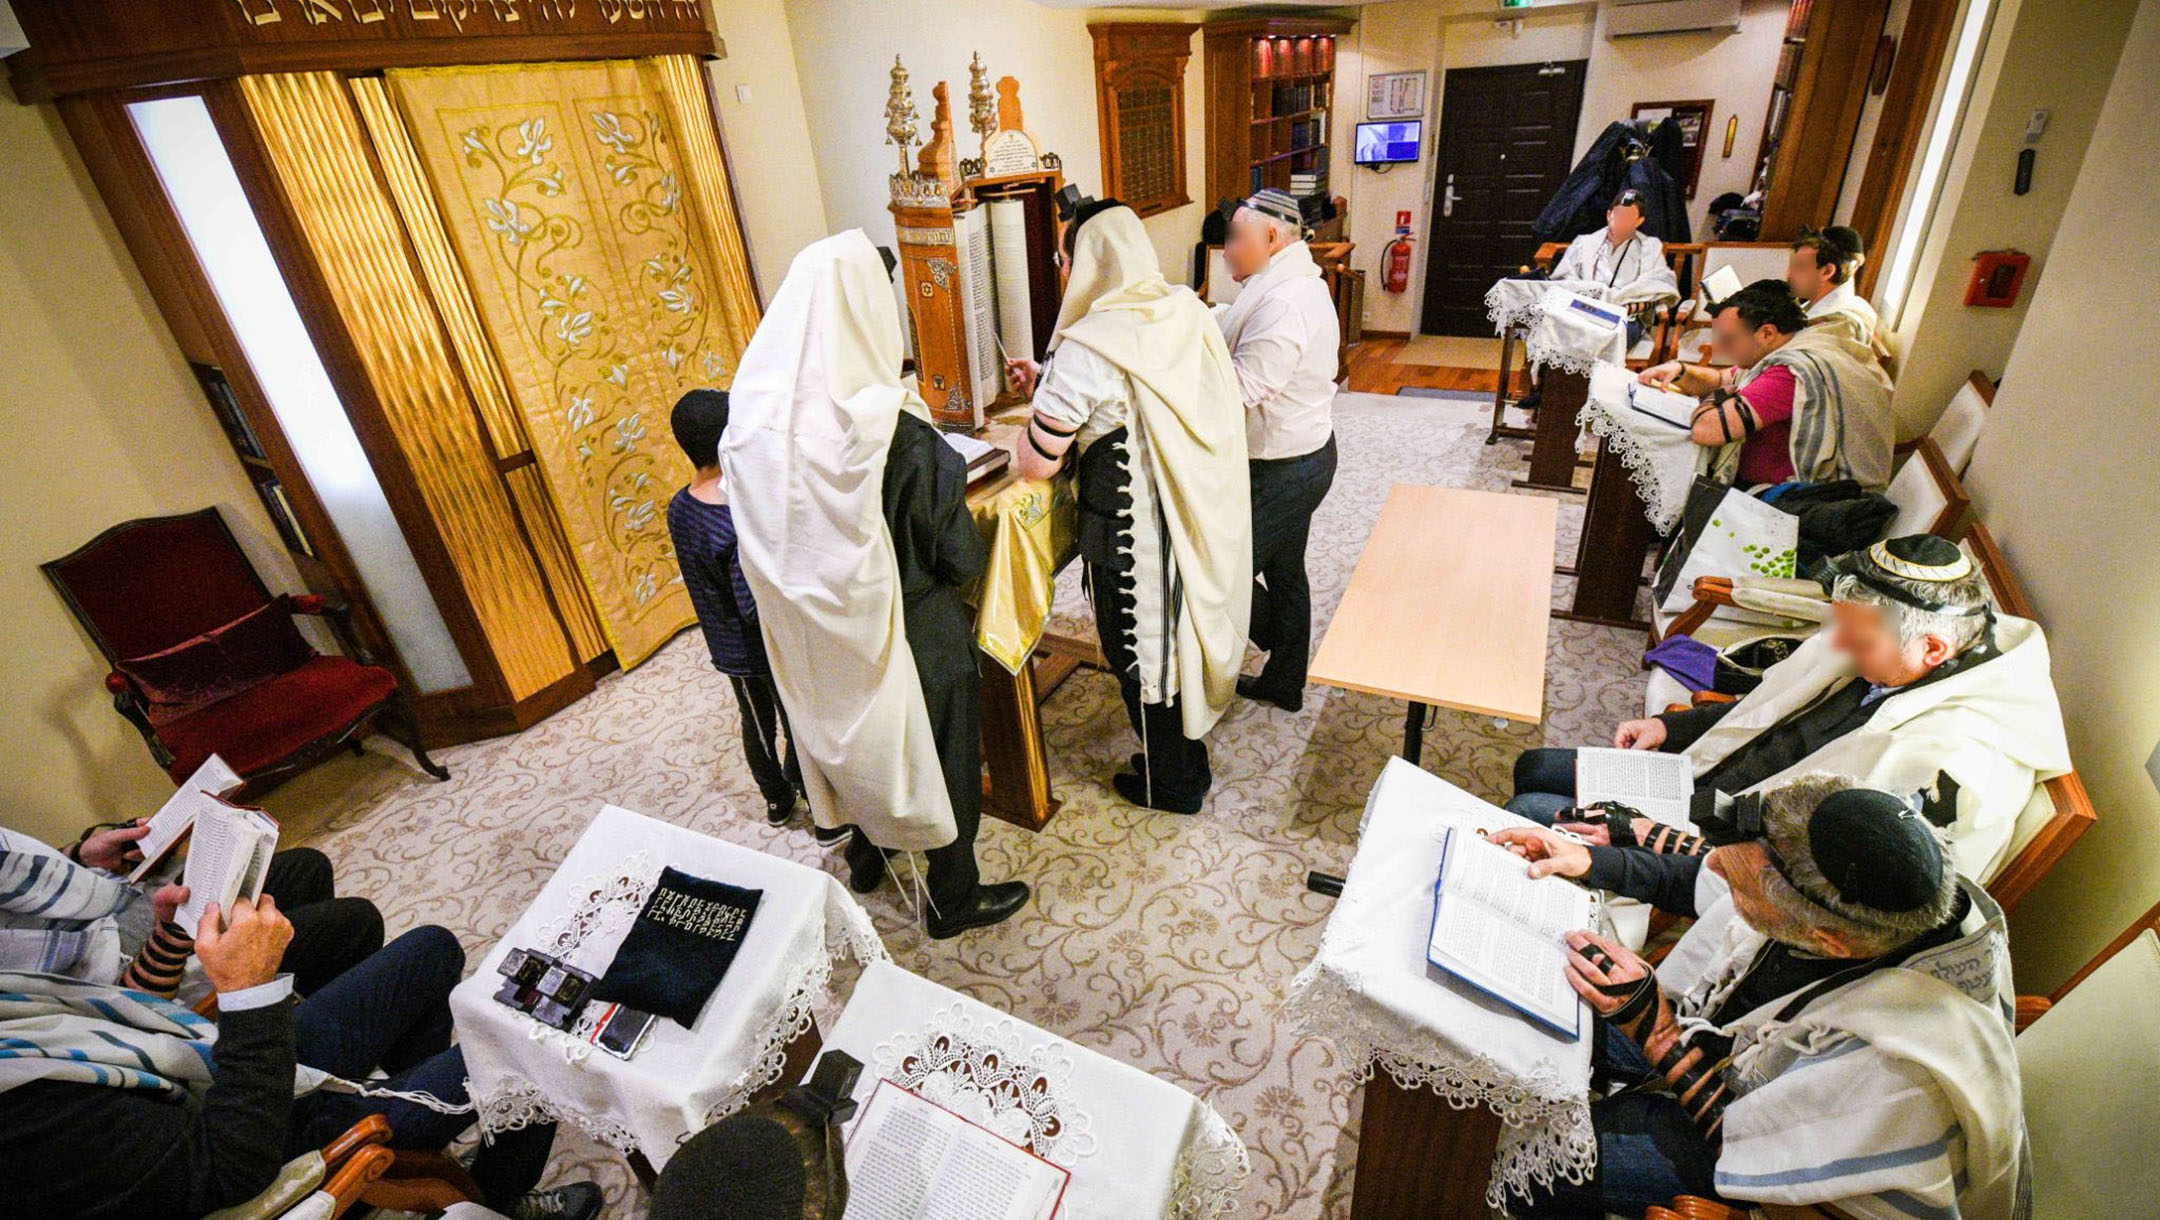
(1958, 430)
(322, 1185)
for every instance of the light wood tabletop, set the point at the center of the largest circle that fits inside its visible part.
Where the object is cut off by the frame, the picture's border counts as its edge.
(1449, 604)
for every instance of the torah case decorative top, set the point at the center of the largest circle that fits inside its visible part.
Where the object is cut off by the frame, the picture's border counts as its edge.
(927, 202)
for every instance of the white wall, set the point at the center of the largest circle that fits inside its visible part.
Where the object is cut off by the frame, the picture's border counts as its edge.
(2039, 54)
(103, 422)
(2066, 478)
(767, 134)
(1733, 68)
(843, 55)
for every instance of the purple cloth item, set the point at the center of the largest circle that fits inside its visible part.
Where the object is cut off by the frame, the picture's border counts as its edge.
(1690, 661)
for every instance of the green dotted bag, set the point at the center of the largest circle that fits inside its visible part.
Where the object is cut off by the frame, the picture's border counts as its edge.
(1726, 532)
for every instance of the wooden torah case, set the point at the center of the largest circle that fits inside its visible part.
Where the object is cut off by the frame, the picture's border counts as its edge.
(977, 243)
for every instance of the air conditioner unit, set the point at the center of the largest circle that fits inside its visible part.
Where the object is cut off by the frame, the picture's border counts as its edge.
(1641, 18)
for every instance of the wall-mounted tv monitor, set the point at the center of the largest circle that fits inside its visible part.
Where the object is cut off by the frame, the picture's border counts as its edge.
(1388, 143)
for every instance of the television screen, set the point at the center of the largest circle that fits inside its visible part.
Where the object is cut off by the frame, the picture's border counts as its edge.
(1388, 143)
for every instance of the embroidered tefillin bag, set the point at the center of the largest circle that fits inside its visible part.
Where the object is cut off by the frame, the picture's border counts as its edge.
(680, 946)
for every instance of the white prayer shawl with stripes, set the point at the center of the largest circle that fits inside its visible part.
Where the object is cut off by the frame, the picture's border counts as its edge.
(1895, 1096)
(59, 917)
(77, 1032)
(1841, 423)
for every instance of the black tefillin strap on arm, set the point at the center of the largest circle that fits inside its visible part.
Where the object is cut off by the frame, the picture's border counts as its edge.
(1699, 1087)
(1619, 823)
(1749, 424)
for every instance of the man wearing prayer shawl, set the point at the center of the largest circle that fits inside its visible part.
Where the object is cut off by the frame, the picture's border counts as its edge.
(1139, 381)
(1915, 684)
(1836, 1028)
(1821, 271)
(1794, 403)
(852, 524)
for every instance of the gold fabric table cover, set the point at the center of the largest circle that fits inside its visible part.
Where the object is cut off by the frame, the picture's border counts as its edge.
(1031, 526)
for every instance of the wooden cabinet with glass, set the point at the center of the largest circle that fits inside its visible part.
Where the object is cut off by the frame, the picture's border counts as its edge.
(1271, 97)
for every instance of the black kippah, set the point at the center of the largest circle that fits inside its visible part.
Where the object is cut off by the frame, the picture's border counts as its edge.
(1876, 850)
(1926, 551)
(747, 1167)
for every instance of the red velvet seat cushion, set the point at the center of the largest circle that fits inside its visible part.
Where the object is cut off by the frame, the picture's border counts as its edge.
(219, 663)
(266, 724)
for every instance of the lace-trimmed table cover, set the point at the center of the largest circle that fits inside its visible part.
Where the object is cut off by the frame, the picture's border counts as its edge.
(1136, 1147)
(1566, 325)
(1660, 457)
(1371, 993)
(682, 1080)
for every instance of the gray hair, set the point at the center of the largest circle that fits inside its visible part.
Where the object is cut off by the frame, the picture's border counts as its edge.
(1277, 227)
(1912, 624)
(1806, 901)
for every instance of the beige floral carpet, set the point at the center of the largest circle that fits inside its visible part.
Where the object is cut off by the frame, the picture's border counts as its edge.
(1163, 941)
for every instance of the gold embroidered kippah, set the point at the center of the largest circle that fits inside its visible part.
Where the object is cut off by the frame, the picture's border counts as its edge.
(1933, 560)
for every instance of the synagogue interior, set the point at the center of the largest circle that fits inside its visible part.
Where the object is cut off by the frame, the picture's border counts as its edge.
(1043, 610)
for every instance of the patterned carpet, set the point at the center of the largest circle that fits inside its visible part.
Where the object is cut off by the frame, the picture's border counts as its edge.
(1166, 942)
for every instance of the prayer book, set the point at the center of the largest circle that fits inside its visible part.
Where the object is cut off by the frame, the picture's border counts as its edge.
(229, 854)
(1497, 929)
(170, 825)
(908, 1159)
(1665, 406)
(983, 458)
(1661, 786)
(1721, 283)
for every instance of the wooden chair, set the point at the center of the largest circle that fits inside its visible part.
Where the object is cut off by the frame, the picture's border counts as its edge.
(2087, 1056)
(1930, 500)
(203, 659)
(1750, 260)
(1958, 431)
(326, 1184)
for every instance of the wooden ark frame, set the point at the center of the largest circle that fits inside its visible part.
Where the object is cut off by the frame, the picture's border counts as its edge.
(1131, 56)
(93, 60)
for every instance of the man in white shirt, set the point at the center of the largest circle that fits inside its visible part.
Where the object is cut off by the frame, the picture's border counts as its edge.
(1283, 338)
(1619, 263)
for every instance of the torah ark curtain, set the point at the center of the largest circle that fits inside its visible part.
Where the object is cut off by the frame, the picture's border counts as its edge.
(588, 208)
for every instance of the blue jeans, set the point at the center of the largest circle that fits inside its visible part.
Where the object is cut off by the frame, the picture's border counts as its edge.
(392, 1011)
(1648, 1149)
(1544, 784)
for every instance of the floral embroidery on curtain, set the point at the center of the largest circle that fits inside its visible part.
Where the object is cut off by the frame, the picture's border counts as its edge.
(562, 186)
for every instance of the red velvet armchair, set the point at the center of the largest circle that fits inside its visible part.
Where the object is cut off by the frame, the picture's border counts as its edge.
(206, 660)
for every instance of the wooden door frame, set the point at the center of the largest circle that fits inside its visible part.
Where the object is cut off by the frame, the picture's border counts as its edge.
(1835, 67)
(1922, 45)
(1578, 71)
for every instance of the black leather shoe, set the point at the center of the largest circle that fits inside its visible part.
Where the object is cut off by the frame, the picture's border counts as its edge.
(991, 904)
(867, 874)
(1248, 687)
(1134, 788)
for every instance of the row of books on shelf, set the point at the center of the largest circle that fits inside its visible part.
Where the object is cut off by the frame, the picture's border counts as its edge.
(1291, 99)
(1272, 57)
(1303, 135)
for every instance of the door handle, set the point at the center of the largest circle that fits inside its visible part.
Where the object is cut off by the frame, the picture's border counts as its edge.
(1448, 198)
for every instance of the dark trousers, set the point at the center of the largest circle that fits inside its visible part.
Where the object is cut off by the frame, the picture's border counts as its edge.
(1544, 784)
(1176, 768)
(392, 1011)
(330, 934)
(763, 721)
(952, 694)
(1285, 494)
(1648, 1149)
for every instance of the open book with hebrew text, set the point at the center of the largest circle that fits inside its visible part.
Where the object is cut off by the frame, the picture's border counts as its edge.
(1498, 930)
(908, 1159)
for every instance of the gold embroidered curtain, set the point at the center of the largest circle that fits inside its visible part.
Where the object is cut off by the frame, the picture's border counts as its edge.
(586, 204)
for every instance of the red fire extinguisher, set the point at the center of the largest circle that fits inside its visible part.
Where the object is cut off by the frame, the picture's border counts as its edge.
(1395, 271)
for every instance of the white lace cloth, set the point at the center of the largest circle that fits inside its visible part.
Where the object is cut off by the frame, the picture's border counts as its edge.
(1514, 303)
(681, 1080)
(1372, 995)
(1661, 457)
(1135, 1146)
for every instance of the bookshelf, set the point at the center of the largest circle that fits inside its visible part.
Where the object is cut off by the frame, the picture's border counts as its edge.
(1271, 101)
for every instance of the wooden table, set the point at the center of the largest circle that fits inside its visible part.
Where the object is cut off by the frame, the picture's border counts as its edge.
(1617, 537)
(1554, 432)
(1448, 607)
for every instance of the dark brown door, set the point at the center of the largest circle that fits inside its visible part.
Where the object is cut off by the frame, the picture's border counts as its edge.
(1507, 141)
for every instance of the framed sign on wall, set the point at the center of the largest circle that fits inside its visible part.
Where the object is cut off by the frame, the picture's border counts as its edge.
(1395, 95)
